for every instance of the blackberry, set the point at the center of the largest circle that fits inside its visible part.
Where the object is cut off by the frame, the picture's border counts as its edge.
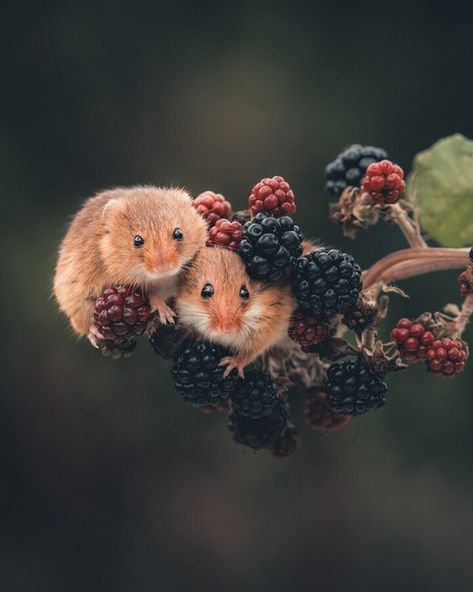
(167, 341)
(273, 195)
(255, 396)
(270, 246)
(287, 443)
(320, 416)
(119, 347)
(198, 377)
(121, 311)
(327, 282)
(258, 433)
(226, 234)
(412, 340)
(384, 181)
(353, 388)
(446, 357)
(306, 329)
(212, 206)
(348, 169)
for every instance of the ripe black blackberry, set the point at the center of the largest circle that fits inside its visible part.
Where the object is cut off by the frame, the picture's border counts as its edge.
(327, 282)
(255, 396)
(270, 246)
(167, 341)
(258, 433)
(198, 377)
(350, 166)
(353, 388)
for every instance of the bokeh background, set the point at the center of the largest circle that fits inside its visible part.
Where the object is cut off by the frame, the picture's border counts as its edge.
(109, 481)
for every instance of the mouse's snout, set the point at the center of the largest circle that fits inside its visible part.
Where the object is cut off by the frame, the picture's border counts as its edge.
(226, 320)
(162, 263)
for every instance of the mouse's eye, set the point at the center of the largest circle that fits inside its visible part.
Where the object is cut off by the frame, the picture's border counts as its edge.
(207, 291)
(244, 293)
(177, 234)
(138, 241)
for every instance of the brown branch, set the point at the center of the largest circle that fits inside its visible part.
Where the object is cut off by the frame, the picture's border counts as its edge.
(417, 261)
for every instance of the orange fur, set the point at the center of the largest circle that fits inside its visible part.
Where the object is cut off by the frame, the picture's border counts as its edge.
(98, 249)
(248, 327)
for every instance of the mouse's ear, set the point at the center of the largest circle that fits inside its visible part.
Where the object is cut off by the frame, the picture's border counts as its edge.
(110, 210)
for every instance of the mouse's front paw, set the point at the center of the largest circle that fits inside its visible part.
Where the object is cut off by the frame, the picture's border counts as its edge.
(165, 313)
(94, 336)
(231, 363)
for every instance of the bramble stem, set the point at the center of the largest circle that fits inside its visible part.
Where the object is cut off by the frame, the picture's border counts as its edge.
(415, 261)
(409, 226)
(465, 314)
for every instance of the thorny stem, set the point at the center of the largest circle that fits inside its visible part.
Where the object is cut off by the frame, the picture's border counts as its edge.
(415, 261)
(409, 226)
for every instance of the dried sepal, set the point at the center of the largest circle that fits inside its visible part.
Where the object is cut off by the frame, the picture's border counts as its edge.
(355, 210)
(384, 358)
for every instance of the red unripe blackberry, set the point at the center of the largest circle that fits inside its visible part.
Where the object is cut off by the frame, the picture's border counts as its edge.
(307, 329)
(447, 357)
(272, 195)
(225, 233)
(121, 311)
(412, 339)
(287, 443)
(212, 206)
(320, 416)
(384, 181)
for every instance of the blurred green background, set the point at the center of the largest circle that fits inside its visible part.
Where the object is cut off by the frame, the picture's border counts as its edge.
(110, 481)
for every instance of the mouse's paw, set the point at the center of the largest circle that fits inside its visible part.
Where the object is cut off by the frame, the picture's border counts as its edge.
(231, 363)
(94, 336)
(165, 313)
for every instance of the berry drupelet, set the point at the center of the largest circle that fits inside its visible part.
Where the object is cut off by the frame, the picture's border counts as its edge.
(354, 389)
(198, 377)
(446, 357)
(412, 340)
(348, 169)
(270, 246)
(272, 195)
(212, 206)
(327, 282)
(384, 181)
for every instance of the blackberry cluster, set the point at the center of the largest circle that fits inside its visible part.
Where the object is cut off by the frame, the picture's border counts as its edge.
(446, 357)
(198, 377)
(306, 329)
(349, 168)
(320, 416)
(327, 282)
(272, 195)
(121, 311)
(353, 388)
(255, 396)
(167, 341)
(270, 246)
(226, 234)
(413, 340)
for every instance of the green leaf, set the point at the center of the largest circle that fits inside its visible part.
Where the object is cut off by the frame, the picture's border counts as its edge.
(442, 182)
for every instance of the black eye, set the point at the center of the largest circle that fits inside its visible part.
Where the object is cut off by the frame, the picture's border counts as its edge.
(207, 291)
(138, 241)
(244, 293)
(177, 234)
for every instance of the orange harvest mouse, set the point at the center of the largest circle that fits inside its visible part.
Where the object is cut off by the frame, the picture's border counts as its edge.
(218, 300)
(141, 235)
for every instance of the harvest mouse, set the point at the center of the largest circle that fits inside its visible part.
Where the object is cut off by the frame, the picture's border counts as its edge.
(143, 236)
(218, 300)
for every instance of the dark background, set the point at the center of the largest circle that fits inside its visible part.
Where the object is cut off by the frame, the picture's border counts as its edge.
(109, 481)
